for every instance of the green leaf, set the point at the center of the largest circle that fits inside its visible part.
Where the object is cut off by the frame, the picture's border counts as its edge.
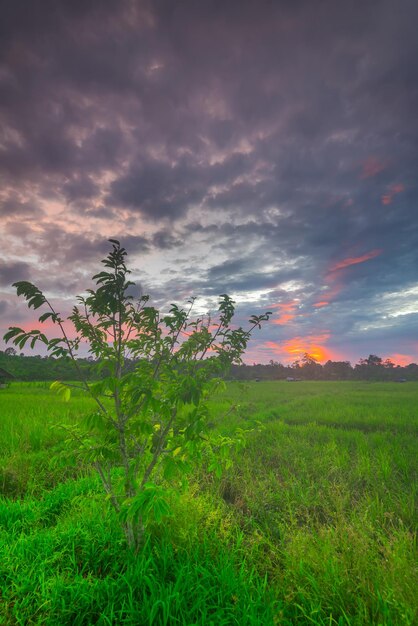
(45, 316)
(61, 389)
(216, 467)
(12, 332)
(151, 503)
(170, 468)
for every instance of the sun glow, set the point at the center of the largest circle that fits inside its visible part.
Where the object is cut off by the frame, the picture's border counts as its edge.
(401, 359)
(294, 348)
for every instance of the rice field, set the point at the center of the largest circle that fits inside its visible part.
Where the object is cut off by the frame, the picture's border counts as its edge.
(315, 523)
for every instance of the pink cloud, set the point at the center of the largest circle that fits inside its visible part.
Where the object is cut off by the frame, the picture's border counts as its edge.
(354, 260)
(334, 277)
(326, 297)
(393, 190)
(401, 359)
(286, 312)
(372, 166)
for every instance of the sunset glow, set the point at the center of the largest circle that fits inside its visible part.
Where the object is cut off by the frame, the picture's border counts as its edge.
(402, 359)
(294, 348)
(286, 312)
(354, 260)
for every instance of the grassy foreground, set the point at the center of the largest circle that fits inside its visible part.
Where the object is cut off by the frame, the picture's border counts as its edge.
(315, 524)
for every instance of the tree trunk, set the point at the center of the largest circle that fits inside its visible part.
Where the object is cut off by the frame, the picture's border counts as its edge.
(135, 534)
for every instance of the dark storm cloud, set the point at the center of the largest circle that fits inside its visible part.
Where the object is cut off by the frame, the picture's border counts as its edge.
(13, 272)
(282, 136)
(157, 190)
(261, 61)
(164, 240)
(160, 189)
(79, 188)
(12, 206)
(53, 132)
(70, 258)
(73, 251)
(247, 274)
(3, 307)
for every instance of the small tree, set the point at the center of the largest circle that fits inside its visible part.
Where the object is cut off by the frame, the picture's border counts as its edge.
(158, 372)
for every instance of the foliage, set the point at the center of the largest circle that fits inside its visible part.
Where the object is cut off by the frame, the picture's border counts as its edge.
(37, 368)
(151, 421)
(309, 369)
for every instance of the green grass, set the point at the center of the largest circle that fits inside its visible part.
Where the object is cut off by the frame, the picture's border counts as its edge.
(64, 561)
(31, 441)
(315, 523)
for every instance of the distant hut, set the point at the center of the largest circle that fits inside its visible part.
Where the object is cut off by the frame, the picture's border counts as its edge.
(5, 378)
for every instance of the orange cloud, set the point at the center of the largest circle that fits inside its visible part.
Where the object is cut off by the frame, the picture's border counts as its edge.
(296, 347)
(354, 260)
(286, 312)
(372, 166)
(401, 359)
(334, 277)
(393, 190)
(331, 293)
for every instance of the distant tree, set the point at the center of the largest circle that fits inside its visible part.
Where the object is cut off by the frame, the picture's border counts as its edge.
(411, 371)
(371, 361)
(370, 368)
(10, 352)
(308, 359)
(151, 422)
(338, 370)
(310, 368)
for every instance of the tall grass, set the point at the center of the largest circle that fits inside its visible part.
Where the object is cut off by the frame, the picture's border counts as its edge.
(63, 560)
(314, 524)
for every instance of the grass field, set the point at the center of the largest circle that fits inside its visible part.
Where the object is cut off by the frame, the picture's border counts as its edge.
(315, 523)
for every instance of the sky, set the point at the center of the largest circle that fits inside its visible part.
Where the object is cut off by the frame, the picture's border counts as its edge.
(266, 149)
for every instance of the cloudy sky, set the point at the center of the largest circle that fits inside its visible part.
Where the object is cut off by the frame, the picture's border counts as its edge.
(267, 149)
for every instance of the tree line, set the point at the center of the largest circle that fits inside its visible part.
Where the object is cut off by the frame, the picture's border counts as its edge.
(31, 368)
(373, 368)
